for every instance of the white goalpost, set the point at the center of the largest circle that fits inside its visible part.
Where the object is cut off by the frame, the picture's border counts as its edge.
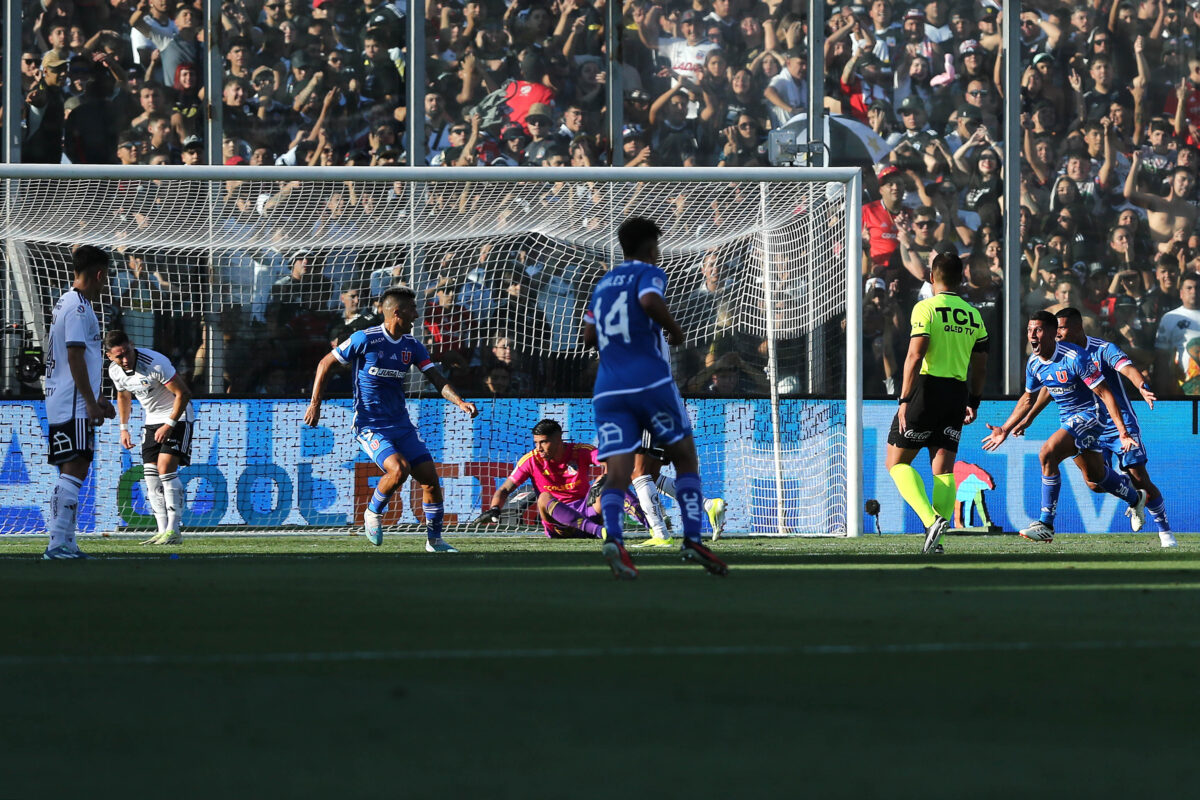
(244, 276)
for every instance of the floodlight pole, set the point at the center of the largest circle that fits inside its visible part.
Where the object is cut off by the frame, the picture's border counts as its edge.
(816, 89)
(1013, 330)
(14, 104)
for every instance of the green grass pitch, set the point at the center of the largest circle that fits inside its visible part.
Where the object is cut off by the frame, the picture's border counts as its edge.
(320, 667)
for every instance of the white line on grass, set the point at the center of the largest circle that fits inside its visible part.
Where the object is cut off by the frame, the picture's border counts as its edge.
(913, 648)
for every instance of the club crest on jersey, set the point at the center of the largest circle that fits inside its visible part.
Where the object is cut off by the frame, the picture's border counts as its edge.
(406, 357)
(1060, 375)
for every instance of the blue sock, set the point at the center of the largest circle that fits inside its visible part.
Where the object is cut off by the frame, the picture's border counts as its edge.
(612, 506)
(433, 520)
(1158, 513)
(690, 497)
(1051, 486)
(378, 502)
(1119, 485)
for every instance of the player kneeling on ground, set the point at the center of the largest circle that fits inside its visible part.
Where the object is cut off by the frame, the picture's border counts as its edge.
(561, 472)
(167, 439)
(379, 358)
(635, 392)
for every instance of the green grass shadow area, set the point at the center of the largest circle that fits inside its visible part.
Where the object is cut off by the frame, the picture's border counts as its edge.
(319, 666)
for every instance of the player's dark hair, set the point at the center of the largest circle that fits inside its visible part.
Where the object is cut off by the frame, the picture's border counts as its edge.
(547, 427)
(947, 269)
(637, 235)
(115, 338)
(396, 295)
(1045, 318)
(88, 258)
(1070, 314)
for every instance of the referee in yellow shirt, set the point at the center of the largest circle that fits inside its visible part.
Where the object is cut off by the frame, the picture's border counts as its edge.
(948, 336)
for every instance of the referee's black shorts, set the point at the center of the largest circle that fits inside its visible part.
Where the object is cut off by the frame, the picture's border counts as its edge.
(934, 416)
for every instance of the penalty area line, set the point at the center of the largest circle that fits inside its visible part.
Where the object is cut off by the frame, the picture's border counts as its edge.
(539, 653)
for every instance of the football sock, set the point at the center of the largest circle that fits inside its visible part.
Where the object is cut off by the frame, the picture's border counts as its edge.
(1051, 486)
(612, 506)
(1118, 485)
(691, 504)
(433, 520)
(64, 499)
(643, 486)
(172, 489)
(666, 485)
(912, 489)
(1158, 513)
(378, 502)
(569, 517)
(154, 494)
(943, 495)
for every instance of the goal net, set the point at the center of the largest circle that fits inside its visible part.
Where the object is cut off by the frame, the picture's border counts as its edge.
(245, 284)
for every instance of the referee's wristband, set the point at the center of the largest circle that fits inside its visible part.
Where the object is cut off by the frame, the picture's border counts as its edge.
(904, 400)
(974, 400)
(170, 422)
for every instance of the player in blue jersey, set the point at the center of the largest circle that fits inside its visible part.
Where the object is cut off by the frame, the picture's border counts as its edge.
(635, 392)
(1113, 364)
(379, 358)
(1074, 381)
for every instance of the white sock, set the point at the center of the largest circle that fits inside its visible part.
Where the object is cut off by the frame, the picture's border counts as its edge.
(647, 495)
(173, 494)
(154, 493)
(64, 500)
(666, 485)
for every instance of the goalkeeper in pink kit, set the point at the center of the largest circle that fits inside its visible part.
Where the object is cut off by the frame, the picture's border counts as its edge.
(562, 473)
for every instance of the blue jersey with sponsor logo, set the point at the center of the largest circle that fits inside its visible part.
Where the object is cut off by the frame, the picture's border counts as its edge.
(1110, 359)
(1069, 375)
(379, 364)
(633, 352)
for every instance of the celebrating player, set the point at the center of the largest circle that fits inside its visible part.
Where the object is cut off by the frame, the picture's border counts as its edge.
(1073, 380)
(948, 338)
(167, 440)
(73, 403)
(561, 472)
(635, 392)
(1112, 363)
(380, 357)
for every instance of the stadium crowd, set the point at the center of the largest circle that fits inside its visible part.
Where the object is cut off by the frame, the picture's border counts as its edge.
(1110, 121)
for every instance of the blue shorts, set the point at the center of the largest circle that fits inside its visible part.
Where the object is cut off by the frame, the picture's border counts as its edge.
(622, 417)
(380, 444)
(1085, 429)
(1110, 442)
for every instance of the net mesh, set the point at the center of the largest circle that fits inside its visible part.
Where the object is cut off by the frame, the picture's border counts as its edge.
(245, 285)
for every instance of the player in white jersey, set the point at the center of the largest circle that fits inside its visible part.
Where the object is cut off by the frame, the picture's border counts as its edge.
(167, 440)
(73, 402)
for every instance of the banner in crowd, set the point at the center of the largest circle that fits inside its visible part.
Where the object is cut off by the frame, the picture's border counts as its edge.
(255, 464)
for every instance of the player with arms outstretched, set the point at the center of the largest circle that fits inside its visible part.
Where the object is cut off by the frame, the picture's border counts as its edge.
(1113, 363)
(948, 340)
(73, 403)
(1074, 381)
(380, 358)
(635, 392)
(562, 472)
(167, 439)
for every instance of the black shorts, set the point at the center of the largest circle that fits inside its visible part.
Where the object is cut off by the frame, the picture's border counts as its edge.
(178, 443)
(934, 415)
(75, 438)
(651, 448)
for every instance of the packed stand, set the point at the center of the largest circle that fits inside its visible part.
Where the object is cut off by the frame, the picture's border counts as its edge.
(1109, 109)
